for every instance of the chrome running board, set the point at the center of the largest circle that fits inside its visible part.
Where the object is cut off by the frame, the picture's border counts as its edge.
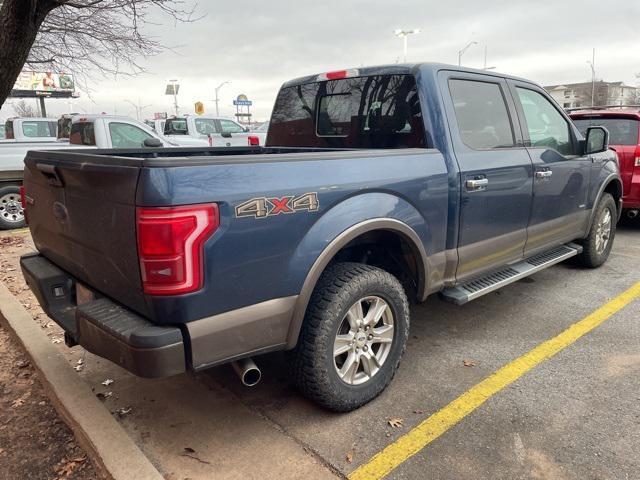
(480, 286)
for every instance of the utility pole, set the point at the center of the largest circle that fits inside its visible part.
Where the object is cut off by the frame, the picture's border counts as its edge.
(485, 60)
(217, 89)
(461, 52)
(398, 32)
(592, 64)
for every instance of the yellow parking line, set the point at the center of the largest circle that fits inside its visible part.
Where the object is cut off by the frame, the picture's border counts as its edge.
(438, 423)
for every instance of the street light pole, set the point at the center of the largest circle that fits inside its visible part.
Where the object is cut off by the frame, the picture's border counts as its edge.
(217, 89)
(139, 108)
(461, 52)
(398, 32)
(592, 64)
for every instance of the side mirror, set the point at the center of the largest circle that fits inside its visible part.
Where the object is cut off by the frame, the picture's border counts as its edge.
(597, 140)
(152, 142)
(246, 129)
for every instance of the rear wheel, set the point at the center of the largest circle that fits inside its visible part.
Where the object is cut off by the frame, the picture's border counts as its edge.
(11, 214)
(597, 245)
(354, 334)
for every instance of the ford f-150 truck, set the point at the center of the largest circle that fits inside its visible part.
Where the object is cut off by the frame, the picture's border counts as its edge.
(377, 186)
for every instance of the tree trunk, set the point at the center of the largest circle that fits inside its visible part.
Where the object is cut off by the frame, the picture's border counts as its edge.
(19, 24)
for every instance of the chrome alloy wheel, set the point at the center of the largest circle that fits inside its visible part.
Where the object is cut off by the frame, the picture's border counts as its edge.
(363, 340)
(11, 208)
(603, 231)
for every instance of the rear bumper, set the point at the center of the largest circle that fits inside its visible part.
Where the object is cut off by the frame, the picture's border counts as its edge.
(103, 327)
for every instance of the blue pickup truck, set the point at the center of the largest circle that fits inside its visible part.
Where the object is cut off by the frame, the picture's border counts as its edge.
(378, 187)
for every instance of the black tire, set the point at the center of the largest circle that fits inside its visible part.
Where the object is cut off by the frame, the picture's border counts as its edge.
(313, 367)
(592, 256)
(9, 217)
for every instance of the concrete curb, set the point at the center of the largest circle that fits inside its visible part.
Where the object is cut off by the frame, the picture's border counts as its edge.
(110, 448)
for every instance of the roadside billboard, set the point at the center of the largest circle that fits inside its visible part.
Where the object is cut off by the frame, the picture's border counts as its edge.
(45, 84)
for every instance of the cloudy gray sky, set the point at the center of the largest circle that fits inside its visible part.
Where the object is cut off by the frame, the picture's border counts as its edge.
(259, 45)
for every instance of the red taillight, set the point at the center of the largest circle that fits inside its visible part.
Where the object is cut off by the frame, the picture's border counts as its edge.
(23, 203)
(636, 155)
(170, 246)
(253, 140)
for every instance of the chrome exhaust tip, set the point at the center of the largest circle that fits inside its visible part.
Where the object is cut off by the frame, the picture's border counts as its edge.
(632, 213)
(248, 371)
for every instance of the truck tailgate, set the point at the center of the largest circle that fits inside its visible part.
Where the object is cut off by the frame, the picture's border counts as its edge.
(82, 217)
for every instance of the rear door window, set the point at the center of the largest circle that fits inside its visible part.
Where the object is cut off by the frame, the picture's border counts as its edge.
(82, 133)
(124, 135)
(622, 131)
(378, 111)
(481, 114)
(229, 126)
(206, 126)
(33, 129)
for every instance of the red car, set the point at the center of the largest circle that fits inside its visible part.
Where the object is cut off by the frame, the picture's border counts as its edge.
(624, 128)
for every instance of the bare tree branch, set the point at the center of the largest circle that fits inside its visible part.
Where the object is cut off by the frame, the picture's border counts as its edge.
(88, 39)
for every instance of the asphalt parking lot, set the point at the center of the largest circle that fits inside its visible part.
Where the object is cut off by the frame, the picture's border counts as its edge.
(574, 416)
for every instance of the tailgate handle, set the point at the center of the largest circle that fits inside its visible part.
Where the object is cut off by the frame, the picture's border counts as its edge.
(51, 173)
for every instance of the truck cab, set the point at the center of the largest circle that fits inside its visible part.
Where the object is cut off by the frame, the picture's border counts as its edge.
(112, 131)
(212, 131)
(30, 129)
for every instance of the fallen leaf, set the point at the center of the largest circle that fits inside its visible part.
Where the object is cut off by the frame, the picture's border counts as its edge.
(56, 340)
(418, 411)
(469, 363)
(124, 411)
(189, 450)
(388, 434)
(349, 456)
(104, 395)
(78, 368)
(396, 422)
(107, 382)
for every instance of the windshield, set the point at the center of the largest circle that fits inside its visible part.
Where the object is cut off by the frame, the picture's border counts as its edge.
(622, 131)
(264, 128)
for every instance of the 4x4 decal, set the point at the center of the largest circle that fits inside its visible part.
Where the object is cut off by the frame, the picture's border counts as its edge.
(267, 207)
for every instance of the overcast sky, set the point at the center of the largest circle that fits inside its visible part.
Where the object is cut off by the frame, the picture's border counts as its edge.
(259, 45)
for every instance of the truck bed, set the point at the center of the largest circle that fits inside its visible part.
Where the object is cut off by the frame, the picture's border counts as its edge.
(83, 215)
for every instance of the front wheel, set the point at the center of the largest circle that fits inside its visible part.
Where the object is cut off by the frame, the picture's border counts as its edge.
(11, 214)
(597, 245)
(353, 337)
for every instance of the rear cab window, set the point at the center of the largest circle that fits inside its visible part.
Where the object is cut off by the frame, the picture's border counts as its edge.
(377, 111)
(82, 133)
(176, 126)
(622, 131)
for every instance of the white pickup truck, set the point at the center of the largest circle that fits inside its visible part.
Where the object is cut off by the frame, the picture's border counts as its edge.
(86, 131)
(29, 129)
(213, 131)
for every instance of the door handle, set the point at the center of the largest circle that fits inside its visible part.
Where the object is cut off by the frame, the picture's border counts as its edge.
(477, 183)
(543, 173)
